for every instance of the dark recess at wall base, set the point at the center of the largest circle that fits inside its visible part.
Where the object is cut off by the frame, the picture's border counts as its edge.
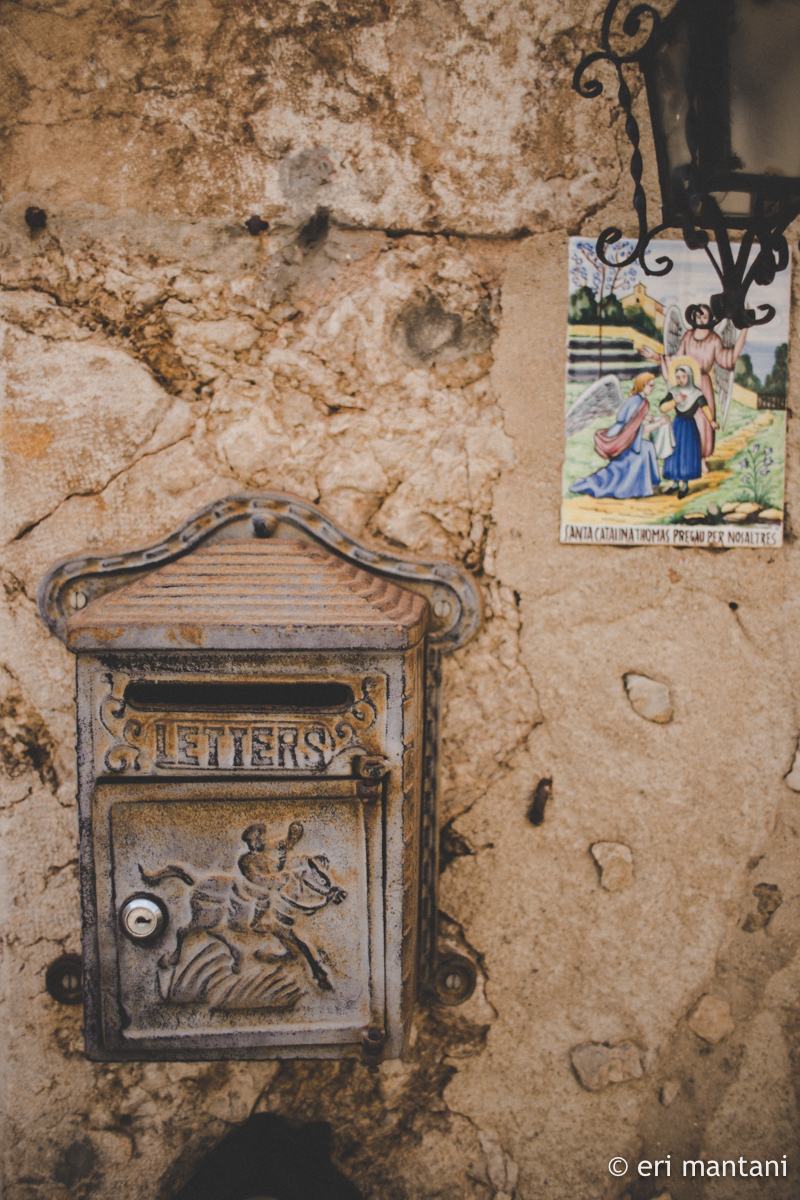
(266, 1157)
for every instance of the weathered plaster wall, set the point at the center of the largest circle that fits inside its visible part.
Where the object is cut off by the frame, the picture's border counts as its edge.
(391, 348)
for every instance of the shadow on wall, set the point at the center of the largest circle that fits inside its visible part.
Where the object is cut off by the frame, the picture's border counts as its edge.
(266, 1159)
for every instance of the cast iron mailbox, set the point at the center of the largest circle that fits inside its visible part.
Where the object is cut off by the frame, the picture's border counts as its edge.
(257, 703)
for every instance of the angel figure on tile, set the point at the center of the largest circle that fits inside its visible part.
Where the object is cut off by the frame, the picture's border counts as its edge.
(715, 355)
(632, 469)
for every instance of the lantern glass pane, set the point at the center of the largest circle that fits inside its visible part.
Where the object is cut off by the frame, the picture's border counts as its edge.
(764, 58)
(734, 204)
(669, 102)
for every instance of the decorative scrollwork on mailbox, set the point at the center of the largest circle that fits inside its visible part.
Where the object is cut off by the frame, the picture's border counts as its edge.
(170, 741)
(126, 752)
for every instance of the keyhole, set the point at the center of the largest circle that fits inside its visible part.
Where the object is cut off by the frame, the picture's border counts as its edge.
(143, 917)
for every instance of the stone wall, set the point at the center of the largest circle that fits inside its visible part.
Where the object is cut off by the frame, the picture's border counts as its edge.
(391, 347)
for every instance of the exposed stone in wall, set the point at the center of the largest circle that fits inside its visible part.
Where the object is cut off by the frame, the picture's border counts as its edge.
(390, 347)
(649, 698)
(597, 1065)
(413, 116)
(251, 363)
(616, 865)
(711, 1019)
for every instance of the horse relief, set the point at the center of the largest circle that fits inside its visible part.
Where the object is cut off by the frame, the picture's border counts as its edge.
(241, 947)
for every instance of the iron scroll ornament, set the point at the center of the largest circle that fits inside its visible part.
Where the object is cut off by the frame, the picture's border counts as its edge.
(691, 207)
(454, 597)
(593, 87)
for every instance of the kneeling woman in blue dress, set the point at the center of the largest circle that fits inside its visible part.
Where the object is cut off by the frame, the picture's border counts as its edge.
(632, 469)
(686, 399)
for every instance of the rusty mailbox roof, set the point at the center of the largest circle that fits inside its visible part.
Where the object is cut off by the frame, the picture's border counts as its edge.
(253, 594)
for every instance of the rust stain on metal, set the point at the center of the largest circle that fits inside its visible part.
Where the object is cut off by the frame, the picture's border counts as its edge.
(191, 634)
(103, 634)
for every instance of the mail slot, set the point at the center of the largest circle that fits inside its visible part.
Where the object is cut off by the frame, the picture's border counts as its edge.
(257, 706)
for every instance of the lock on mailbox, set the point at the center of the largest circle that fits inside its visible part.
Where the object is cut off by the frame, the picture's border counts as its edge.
(257, 701)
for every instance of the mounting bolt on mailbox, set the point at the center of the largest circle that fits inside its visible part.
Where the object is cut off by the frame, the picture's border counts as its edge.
(373, 1042)
(257, 702)
(455, 979)
(372, 768)
(64, 979)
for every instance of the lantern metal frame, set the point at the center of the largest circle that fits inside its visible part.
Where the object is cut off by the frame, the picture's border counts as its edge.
(689, 204)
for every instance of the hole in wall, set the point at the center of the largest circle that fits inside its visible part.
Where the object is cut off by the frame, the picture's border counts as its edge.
(538, 801)
(254, 225)
(35, 219)
(267, 1158)
(315, 230)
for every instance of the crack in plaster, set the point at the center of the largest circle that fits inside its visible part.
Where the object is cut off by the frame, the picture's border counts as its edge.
(98, 491)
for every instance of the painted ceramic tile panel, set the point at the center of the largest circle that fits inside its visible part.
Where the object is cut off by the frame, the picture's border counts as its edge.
(675, 426)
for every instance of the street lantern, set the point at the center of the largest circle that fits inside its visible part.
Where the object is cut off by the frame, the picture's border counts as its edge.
(723, 87)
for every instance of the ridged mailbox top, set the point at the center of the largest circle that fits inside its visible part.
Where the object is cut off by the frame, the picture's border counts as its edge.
(253, 594)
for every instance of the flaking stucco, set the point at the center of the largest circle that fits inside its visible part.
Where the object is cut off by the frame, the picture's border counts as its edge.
(391, 348)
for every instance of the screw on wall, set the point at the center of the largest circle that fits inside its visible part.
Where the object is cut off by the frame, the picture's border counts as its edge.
(455, 979)
(64, 979)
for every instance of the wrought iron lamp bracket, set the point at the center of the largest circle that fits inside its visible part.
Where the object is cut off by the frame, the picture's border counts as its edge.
(766, 226)
(591, 88)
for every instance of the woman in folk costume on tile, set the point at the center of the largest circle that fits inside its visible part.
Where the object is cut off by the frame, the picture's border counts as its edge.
(632, 470)
(687, 400)
(710, 353)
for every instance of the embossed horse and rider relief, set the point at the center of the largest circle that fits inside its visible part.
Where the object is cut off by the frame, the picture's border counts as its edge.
(245, 945)
(266, 910)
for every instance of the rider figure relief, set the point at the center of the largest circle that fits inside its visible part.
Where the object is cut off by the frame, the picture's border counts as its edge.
(241, 948)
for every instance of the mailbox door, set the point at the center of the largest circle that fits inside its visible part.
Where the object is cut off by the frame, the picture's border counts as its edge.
(271, 895)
